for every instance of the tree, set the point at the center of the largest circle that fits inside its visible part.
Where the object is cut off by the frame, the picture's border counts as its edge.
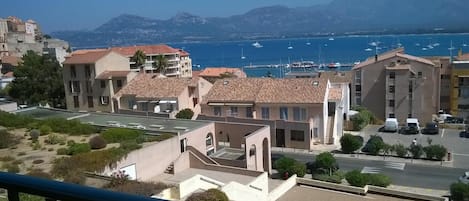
(459, 191)
(374, 145)
(416, 150)
(185, 114)
(435, 151)
(326, 161)
(350, 143)
(290, 166)
(387, 148)
(400, 150)
(38, 79)
(139, 58)
(161, 63)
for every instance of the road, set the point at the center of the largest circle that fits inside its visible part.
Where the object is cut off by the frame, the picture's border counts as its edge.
(403, 174)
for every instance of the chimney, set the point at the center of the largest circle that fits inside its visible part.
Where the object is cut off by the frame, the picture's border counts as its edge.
(376, 58)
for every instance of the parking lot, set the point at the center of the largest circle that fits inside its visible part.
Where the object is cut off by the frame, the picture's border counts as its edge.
(459, 147)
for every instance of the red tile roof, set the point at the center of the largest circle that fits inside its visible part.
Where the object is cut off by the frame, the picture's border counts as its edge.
(399, 52)
(464, 57)
(86, 57)
(106, 75)
(147, 49)
(335, 94)
(183, 53)
(12, 60)
(216, 71)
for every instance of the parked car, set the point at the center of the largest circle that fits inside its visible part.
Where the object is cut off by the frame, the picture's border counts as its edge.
(464, 178)
(391, 125)
(431, 128)
(454, 120)
(464, 134)
(409, 130)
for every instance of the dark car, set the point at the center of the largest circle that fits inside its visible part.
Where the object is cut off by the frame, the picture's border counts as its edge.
(464, 134)
(454, 120)
(431, 128)
(409, 130)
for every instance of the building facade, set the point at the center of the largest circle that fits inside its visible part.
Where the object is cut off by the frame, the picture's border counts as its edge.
(92, 78)
(460, 89)
(397, 85)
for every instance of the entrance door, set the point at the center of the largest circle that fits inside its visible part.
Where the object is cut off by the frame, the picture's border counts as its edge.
(280, 137)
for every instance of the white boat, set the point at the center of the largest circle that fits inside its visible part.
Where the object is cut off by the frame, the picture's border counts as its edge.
(302, 64)
(257, 45)
(242, 54)
(368, 49)
(331, 38)
(424, 49)
(289, 46)
(308, 43)
(436, 44)
(464, 45)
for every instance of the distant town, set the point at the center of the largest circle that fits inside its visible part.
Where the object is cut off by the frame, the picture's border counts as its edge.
(140, 120)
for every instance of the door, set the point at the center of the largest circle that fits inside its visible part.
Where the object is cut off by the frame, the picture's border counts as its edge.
(280, 137)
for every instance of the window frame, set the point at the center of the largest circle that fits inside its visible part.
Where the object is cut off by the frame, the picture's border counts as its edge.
(283, 113)
(265, 112)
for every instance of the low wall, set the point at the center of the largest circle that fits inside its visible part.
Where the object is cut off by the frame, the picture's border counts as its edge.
(283, 188)
(181, 163)
(196, 162)
(261, 183)
(402, 194)
(142, 113)
(333, 186)
(232, 163)
(195, 183)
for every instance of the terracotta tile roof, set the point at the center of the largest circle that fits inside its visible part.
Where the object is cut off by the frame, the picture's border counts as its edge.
(216, 71)
(399, 67)
(393, 53)
(85, 57)
(9, 74)
(183, 53)
(154, 87)
(464, 57)
(268, 90)
(87, 51)
(414, 58)
(147, 49)
(106, 75)
(12, 60)
(337, 77)
(196, 73)
(335, 93)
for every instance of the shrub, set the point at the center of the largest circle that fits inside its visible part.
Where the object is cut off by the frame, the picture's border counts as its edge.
(6, 158)
(36, 145)
(75, 178)
(17, 162)
(400, 150)
(136, 187)
(185, 114)
(10, 167)
(38, 161)
(459, 191)
(45, 129)
(290, 166)
(158, 138)
(34, 134)
(62, 151)
(416, 151)
(14, 121)
(73, 127)
(363, 118)
(55, 139)
(209, 195)
(78, 148)
(22, 153)
(114, 135)
(435, 151)
(356, 178)
(374, 145)
(130, 145)
(326, 161)
(7, 139)
(97, 142)
(380, 180)
(70, 142)
(50, 149)
(336, 177)
(39, 173)
(350, 143)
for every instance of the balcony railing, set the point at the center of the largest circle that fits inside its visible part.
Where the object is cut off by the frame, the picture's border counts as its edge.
(54, 190)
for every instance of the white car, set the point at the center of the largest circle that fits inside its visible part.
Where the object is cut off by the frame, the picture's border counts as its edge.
(136, 126)
(464, 178)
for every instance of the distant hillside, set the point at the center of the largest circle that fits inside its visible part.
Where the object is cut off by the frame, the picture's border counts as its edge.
(339, 17)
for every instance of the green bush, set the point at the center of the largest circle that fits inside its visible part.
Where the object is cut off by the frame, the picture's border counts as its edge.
(129, 145)
(356, 178)
(14, 121)
(416, 151)
(400, 150)
(7, 139)
(459, 191)
(290, 166)
(380, 180)
(437, 152)
(70, 142)
(336, 177)
(136, 187)
(350, 143)
(55, 139)
(326, 161)
(185, 114)
(73, 127)
(374, 145)
(114, 135)
(45, 129)
(158, 138)
(62, 151)
(6, 158)
(209, 195)
(78, 148)
(34, 134)
(97, 142)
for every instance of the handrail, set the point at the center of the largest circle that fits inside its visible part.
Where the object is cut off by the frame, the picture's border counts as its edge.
(56, 190)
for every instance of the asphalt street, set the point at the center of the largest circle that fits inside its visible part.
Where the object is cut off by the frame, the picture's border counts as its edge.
(403, 174)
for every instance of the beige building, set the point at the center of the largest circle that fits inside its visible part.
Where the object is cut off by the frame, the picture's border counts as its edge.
(300, 112)
(91, 78)
(395, 84)
(151, 94)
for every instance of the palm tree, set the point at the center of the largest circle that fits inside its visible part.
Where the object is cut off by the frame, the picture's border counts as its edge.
(161, 63)
(139, 58)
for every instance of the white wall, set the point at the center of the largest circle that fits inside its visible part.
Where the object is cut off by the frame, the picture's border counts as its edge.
(195, 183)
(239, 192)
(282, 188)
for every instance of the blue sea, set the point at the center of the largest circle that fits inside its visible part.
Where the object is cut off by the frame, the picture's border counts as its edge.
(321, 50)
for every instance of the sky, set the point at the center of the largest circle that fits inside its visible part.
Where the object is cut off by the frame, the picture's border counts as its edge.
(55, 15)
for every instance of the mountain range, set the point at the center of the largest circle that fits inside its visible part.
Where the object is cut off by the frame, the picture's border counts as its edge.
(337, 17)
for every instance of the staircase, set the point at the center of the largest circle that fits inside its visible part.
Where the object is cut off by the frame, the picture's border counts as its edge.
(170, 169)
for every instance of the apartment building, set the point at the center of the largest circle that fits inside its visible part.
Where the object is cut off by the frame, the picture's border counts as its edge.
(460, 86)
(153, 95)
(91, 78)
(179, 63)
(300, 112)
(395, 84)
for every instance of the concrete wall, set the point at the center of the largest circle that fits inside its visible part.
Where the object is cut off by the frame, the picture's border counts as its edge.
(197, 138)
(261, 183)
(236, 191)
(196, 183)
(282, 188)
(198, 163)
(182, 163)
(261, 156)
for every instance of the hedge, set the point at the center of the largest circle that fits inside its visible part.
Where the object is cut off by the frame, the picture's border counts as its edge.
(350, 143)
(290, 166)
(336, 177)
(459, 191)
(358, 179)
(114, 135)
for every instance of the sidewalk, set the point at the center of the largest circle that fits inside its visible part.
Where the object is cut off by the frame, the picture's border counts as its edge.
(336, 152)
(423, 191)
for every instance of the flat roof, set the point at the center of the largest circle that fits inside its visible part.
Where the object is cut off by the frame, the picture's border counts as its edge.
(229, 154)
(106, 119)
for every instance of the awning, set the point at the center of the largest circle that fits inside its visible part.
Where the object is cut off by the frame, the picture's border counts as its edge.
(231, 104)
(142, 101)
(216, 104)
(168, 101)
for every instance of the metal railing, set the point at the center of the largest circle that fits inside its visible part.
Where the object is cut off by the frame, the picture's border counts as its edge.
(55, 190)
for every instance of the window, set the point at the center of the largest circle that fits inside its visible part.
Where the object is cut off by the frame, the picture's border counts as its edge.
(265, 113)
(391, 89)
(131, 104)
(90, 102)
(89, 88)
(104, 100)
(358, 100)
(391, 115)
(409, 115)
(283, 113)
(103, 83)
(391, 103)
(209, 140)
(358, 87)
(419, 74)
(74, 86)
(234, 111)
(392, 75)
(87, 71)
(217, 111)
(249, 112)
(299, 114)
(297, 135)
(76, 103)
(73, 71)
(119, 83)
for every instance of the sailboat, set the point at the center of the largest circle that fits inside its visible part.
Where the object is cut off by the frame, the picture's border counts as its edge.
(368, 49)
(331, 38)
(242, 54)
(308, 43)
(257, 45)
(289, 46)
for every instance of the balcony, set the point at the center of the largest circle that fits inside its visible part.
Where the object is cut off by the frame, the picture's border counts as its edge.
(54, 190)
